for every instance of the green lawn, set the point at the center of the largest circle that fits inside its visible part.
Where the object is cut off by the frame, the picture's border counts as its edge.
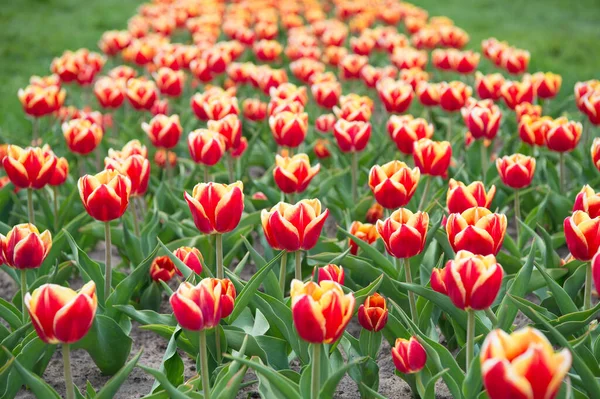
(562, 35)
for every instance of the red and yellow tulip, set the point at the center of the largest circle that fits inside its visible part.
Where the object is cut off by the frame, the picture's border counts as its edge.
(105, 195)
(163, 131)
(216, 208)
(293, 174)
(408, 355)
(373, 313)
(404, 233)
(477, 230)
(516, 171)
(393, 184)
(31, 167)
(432, 157)
(331, 272)
(461, 197)
(582, 233)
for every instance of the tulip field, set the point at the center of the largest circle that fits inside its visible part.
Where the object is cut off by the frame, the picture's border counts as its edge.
(300, 199)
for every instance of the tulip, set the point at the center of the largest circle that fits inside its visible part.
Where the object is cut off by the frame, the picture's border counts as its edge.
(40, 101)
(515, 61)
(109, 92)
(230, 128)
(453, 95)
(24, 247)
(406, 130)
(432, 157)
(366, 232)
(254, 109)
(191, 257)
(278, 105)
(289, 91)
(331, 272)
(591, 107)
(165, 159)
(169, 82)
(82, 136)
(595, 151)
(326, 94)
(582, 233)
(546, 85)
(564, 135)
(522, 365)
(396, 96)
(428, 93)
(199, 307)
(61, 172)
(141, 93)
(293, 174)
(350, 66)
(461, 197)
(206, 146)
(488, 86)
(320, 149)
(526, 108)
(113, 41)
(393, 184)
(105, 196)
(351, 136)
(406, 58)
(408, 355)
(354, 109)
(324, 123)
(514, 93)
(516, 171)
(482, 119)
(30, 167)
(216, 208)
(305, 68)
(267, 50)
(533, 130)
(374, 213)
(289, 129)
(136, 167)
(122, 72)
(373, 313)
(163, 269)
(477, 230)
(160, 107)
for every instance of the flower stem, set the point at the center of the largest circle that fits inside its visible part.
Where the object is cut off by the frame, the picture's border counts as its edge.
(204, 365)
(354, 176)
(282, 273)
(206, 174)
(23, 292)
(66, 352)
(55, 203)
(316, 372)
(298, 274)
(218, 344)
(449, 131)
(35, 123)
(107, 260)
(517, 215)
(470, 337)
(425, 192)
(168, 172)
(230, 168)
(30, 213)
(136, 223)
(492, 316)
(587, 295)
(411, 295)
(562, 171)
(219, 248)
(420, 386)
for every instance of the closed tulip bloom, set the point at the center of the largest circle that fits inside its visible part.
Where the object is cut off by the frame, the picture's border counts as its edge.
(464, 62)
(591, 107)
(414, 76)
(24, 247)
(374, 213)
(351, 136)
(294, 227)
(595, 150)
(61, 315)
(350, 66)
(408, 355)
(404, 233)
(526, 108)
(267, 50)
(533, 130)
(470, 281)
(515, 61)
(198, 307)
(289, 91)
(31, 167)
(331, 272)
(320, 311)
(588, 201)
(353, 110)
(321, 149)
(514, 93)
(142, 94)
(61, 172)
(40, 101)
(564, 135)
(169, 82)
(488, 86)
(163, 131)
(366, 232)
(477, 230)
(516, 171)
(454, 95)
(109, 92)
(324, 123)
(461, 197)
(396, 96)
(136, 167)
(82, 136)
(482, 121)
(105, 196)
(440, 58)
(216, 208)
(213, 106)
(373, 313)
(230, 128)
(393, 184)
(228, 295)
(191, 257)
(326, 94)
(432, 157)
(405, 131)
(113, 41)
(206, 146)
(406, 58)
(289, 129)
(199, 69)
(583, 90)
(546, 85)
(582, 233)
(254, 109)
(160, 107)
(522, 365)
(162, 156)
(293, 174)
(163, 269)
(428, 93)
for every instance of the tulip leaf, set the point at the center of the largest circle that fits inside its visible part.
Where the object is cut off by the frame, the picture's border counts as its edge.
(329, 386)
(89, 269)
(10, 314)
(111, 387)
(37, 385)
(173, 392)
(563, 300)
(471, 386)
(231, 376)
(573, 322)
(361, 295)
(373, 254)
(271, 283)
(132, 247)
(171, 365)
(588, 380)
(430, 388)
(147, 316)
(107, 344)
(59, 241)
(27, 354)
(149, 234)
(507, 311)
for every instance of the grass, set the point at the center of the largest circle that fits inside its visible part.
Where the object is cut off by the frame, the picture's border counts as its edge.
(562, 36)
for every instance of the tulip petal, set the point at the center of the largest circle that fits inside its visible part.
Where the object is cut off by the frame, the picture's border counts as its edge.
(74, 320)
(309, 320)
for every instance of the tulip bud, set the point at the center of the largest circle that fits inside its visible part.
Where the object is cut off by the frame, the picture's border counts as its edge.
(514, 60)
(162, 156)
(516, 171)
(477, 230)
(393, 184)
(461, 197)
(216, 208)
(546, 85)
(564, 135)
(136, 167)
(366, 232)
(331, 272)
(482, 119)
(326, 94)
(40, 101)
(230, 128)
(113, 41)
(293, 175)
(408, 355)
(470, 281)
(289, 129)
(305, 68)
(163, 131)
(61, 315)
(191, 257)
(406, 130)
(24, 247)
(198, 307)
(522, 364)
(396, 96)
(105, 196)
(374, 213)
(320, 149)
(294, 227)
(373, 313)
(289, 91)
(163, 269)
(582, 233)
(31, 167)
(432, 157)
(351, 136)
(206, 146)
(404, 233)
(316, 321)
(464, 62)
(142, 94)
(591, 107)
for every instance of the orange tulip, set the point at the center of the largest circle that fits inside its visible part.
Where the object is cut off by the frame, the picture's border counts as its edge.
(142, 94)
(191, 257)
(364, 231)
(546, 85)
(320, 311)
(514, 93)
(206, 146)
(396, 96)
(393, 184)
(163, 269)
(105, 195)
(230, 128)
(334, 55)
(408, 355)
(61, 315)
(198, 307)
(362, 45)
(373, 313)
(582, 233)
(136, 167)
(432, 157)
(31, 167)
(293, 174)
(169, 82)
(374, 213)
(216, 208)
(488, 86)
(461, 197)
(522, 365)
(40, 101)
(564, 135)
(516, 171)
(454, 95)
(477, 230)
(332, 273)
(294, 227)
(404, 233)
(289, 129)
(163, 131)
(24, 247)
(82, 136)
(351, 136)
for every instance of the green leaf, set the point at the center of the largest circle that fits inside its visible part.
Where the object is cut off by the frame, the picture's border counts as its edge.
(37, 385)
(563, 300)
(430, 388)
(10, 314)
(361, 295)
(171, 365)
(173, 392)
(271, 283)
(330, 385)
(147, 316)
(471, 387)
(111, 387)
(132, 246)
(89, 269)
(373, 254)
